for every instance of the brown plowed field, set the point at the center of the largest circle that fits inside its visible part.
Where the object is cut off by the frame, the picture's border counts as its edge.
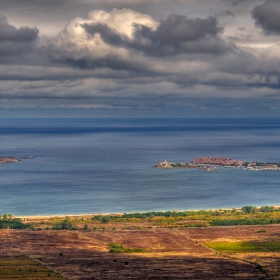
(171, 254)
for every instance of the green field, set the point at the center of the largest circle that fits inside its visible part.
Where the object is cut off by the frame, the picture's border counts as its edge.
(24, 268)
(119, 248)
(244, 247)
(270, 246)
(234, 247)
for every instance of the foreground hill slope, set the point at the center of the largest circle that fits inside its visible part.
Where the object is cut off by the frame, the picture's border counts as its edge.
(170, 253)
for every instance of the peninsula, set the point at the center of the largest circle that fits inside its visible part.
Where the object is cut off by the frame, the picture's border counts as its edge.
(210, 163)
(8, 159)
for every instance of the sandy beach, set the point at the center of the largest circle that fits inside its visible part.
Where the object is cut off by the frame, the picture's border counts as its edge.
(89, 215)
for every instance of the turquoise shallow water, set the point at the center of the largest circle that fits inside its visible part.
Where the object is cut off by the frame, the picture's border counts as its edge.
(106, 165)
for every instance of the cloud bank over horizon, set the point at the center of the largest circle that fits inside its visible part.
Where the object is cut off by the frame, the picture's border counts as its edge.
(125, 58)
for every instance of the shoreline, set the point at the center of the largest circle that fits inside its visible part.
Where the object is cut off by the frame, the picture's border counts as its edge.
(34, 217)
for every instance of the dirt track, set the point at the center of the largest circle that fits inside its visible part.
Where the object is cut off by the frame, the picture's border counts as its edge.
(171, 254)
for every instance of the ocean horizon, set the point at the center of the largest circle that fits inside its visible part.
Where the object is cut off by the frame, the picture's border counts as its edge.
(82, 166)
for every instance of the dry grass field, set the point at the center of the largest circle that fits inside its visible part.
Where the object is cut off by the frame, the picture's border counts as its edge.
(21, 267)
(241, 252)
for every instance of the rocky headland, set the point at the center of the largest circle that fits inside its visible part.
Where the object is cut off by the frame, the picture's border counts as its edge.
(166, 164)
(8, 159)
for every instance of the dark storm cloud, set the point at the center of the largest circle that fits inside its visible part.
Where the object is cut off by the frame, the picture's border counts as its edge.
(127, 58)
(236, 2)
(195, 45)
(110, 61)
(11, 33)
(14, 40)
(23, 3)
(174, 36)
(180, 35)
(267, 15)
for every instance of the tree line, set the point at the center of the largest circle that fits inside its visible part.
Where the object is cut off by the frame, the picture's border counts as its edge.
(8, 222)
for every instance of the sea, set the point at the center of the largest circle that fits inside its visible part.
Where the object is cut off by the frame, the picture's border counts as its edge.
(81, 166)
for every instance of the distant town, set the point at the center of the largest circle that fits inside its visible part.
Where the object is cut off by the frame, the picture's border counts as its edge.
(210, 164)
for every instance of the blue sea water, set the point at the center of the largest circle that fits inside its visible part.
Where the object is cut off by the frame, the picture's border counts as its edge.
(106, 165)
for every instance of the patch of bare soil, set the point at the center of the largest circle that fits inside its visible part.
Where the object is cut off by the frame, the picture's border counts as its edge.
(171, 254)
(240, 233)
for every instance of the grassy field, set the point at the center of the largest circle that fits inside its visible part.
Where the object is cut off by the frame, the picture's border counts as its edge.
(270, 246)
(25, 268)
(234, 247)
(243, 247)
(119, 248)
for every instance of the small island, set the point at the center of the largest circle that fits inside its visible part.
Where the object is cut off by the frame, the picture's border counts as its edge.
(8, 159)
(210, 163)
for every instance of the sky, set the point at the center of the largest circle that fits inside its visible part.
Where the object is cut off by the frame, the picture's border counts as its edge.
(139, 58)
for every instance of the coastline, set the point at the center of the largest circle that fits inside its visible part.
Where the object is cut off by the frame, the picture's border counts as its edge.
(42, 217)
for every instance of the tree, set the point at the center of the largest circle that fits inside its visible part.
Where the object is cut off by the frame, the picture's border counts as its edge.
(267, 209)
(105, 219)
(66, 223)
(249, 209)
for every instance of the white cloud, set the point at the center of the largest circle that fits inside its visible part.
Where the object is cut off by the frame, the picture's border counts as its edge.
(122, 21)
(75, 42)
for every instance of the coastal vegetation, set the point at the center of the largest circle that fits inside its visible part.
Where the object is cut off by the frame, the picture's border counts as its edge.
(8, 222)
(247, 215)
